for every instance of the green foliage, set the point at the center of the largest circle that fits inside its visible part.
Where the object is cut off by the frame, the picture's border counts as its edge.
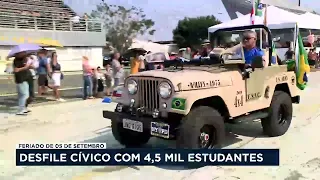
(191, 32)
(122, 24)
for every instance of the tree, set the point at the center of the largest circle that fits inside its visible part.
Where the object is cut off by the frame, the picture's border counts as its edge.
(122, 24)
(191, 32)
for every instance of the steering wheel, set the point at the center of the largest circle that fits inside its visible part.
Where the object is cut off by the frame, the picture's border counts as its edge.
(225, 54)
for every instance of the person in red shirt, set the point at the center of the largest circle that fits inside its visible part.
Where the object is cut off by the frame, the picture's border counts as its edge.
(87, 78)
(173, 56)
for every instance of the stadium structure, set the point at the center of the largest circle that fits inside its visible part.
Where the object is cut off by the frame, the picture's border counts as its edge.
(245, 6)
(50, 23)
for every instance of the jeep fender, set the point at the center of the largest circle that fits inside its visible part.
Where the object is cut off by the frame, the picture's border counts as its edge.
(196, 97)
(289, 86)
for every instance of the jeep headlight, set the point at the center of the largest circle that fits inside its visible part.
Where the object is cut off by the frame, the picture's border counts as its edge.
(132, 86)
(165, 90)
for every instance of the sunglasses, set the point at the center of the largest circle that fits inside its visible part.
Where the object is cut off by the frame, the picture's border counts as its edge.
(247, 38)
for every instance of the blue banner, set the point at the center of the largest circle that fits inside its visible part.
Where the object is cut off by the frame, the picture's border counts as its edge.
(143, 157)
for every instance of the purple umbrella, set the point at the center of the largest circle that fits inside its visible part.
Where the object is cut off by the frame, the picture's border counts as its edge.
(23, 47)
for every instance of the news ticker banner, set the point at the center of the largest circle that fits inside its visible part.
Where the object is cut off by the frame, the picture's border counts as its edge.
(97, 154)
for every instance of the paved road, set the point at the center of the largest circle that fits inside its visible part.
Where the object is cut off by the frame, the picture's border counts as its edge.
(82, 121)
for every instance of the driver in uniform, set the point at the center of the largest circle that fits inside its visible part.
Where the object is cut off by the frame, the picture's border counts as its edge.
(249, 47)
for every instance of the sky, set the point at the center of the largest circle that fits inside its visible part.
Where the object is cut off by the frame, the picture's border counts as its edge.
(167, 13)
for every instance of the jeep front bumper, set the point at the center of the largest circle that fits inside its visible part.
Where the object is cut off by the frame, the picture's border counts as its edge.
(156, 126)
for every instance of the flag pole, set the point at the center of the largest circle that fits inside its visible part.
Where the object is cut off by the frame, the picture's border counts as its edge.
(265, 22)
(261, 39)
(253, 12)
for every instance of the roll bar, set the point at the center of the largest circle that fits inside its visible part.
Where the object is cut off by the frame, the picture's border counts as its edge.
(267, 30)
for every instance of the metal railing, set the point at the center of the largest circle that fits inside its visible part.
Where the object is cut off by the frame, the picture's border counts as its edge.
(56, 3)
(55, 24)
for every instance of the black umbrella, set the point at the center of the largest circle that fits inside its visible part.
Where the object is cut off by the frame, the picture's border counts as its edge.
(133, 51)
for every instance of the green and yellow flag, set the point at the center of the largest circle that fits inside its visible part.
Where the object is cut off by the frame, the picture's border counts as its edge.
(258, 8)
(178, 103)
(302, 64)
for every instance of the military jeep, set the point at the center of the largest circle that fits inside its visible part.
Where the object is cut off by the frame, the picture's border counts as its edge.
(191, 101)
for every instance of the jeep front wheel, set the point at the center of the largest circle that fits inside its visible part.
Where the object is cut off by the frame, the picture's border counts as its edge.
(128, 138)
(202, 128)
(280, 115)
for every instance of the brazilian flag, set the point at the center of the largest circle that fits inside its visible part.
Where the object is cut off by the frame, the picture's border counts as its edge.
(178, 103)
(302, 64)
(258, 8)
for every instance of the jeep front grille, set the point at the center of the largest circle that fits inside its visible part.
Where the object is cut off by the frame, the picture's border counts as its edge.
(148, 94)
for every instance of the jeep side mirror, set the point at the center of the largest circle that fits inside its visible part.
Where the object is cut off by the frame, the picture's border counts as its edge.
(257, 62)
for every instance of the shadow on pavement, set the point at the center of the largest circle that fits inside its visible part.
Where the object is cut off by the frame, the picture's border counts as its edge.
(247, 128)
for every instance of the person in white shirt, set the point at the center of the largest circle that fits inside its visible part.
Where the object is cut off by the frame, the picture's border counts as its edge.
(100, 78)
(75, 19)
(108, 79)
(32, 60)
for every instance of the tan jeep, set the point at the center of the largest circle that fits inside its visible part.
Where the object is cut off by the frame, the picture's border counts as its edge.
(192, 101)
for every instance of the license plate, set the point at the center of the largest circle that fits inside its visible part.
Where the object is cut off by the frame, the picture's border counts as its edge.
(132, 125)
(160, 129)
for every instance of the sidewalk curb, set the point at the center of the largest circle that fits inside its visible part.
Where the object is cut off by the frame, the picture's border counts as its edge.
(62, 89)
(66, 73)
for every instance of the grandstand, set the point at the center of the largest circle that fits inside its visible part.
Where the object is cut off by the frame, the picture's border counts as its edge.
(29, 20)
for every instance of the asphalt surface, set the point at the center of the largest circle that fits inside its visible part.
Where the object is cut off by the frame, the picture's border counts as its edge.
(82, 121)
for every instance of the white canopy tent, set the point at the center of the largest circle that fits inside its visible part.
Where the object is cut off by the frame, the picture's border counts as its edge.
(276, 19)
(310, 16)
(150, 46)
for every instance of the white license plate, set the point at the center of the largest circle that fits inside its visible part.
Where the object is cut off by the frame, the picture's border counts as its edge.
(160, 129)
(132, 125)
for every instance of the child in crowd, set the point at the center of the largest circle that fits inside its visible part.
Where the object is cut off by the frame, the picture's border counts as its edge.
(108, 77)
(99, 80)
(121, 71)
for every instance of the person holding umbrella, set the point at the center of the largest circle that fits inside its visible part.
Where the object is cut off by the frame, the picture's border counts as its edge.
(22, 74)
(137, 63)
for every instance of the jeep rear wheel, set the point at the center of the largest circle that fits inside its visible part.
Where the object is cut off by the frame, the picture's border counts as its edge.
(280, 115)
(128, 138)
(202, 128)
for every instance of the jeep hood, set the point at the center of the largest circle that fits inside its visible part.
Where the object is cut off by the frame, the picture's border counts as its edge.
(190, 79)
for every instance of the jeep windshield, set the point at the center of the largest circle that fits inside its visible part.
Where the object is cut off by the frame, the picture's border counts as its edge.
(229, 39)
(227, 42)
(180, 63)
